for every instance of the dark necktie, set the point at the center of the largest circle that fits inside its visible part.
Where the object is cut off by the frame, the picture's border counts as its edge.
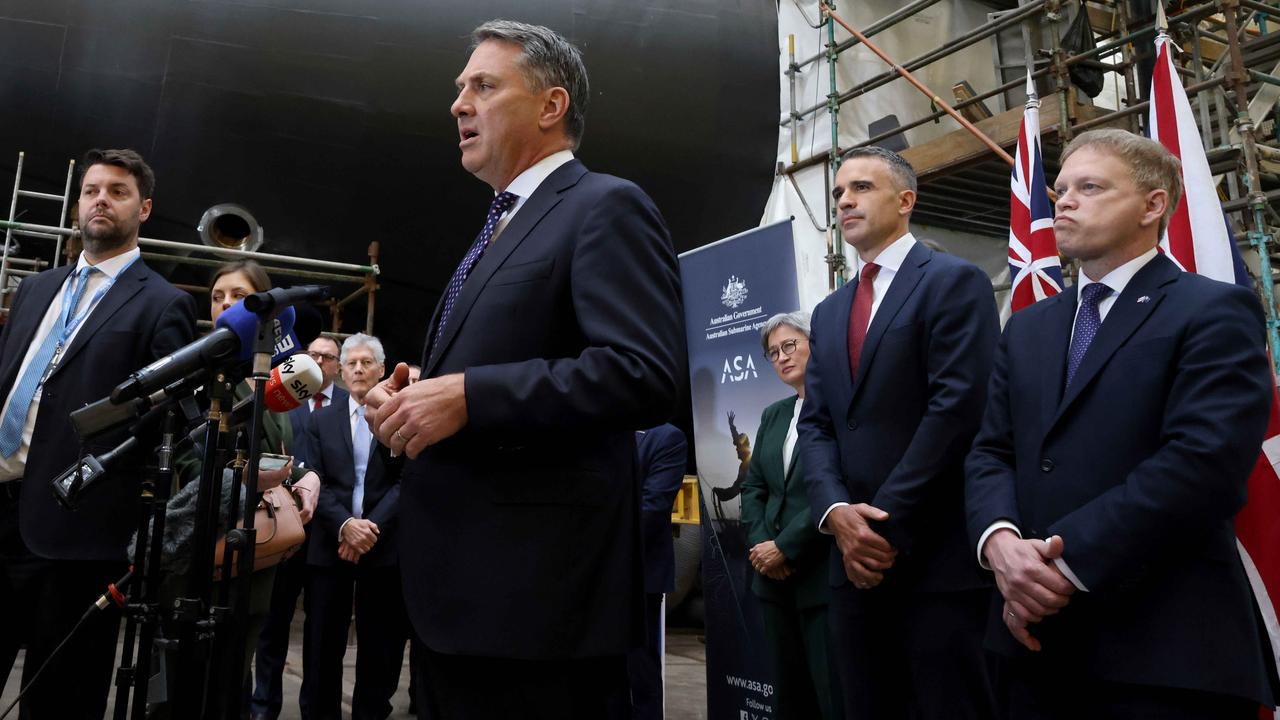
(1088, 320)
(860, 317)
(502, 202)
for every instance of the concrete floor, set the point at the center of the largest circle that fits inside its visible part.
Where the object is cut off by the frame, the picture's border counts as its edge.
(685, 675)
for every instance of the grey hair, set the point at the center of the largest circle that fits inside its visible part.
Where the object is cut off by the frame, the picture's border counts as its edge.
(798, 320)
(548, 61)
(904, 175)
(362, 340)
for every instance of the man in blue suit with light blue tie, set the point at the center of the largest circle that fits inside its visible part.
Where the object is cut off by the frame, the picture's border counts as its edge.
(1125, 415)
(352, 552)
(896, 381)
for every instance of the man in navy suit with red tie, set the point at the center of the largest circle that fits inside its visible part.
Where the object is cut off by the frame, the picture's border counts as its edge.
(1125, 415)
(557, 337)
(896, 380)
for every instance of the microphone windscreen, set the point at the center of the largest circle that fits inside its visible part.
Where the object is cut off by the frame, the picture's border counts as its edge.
(294, 381)
(245, 325)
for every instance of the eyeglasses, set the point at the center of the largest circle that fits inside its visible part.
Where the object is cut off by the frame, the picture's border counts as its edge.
(786, 348)
(321, 357)
(362, 362)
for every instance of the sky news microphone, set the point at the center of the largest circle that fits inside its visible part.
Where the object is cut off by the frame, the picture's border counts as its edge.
(232, 341)
(293, 382)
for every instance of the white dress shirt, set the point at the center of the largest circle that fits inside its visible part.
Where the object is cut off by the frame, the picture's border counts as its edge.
(353, 417)
(11, 468)
(789, 445)
(1117, 280)
(890, 260)
(327, 392)
(527, 182)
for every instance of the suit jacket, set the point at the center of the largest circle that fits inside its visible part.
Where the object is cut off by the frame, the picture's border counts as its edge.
(521, 533)
(300, 418)
(1140, 466)
(661, 453)
(775, 506)
(329, 434)
(142, 318)
(896, 435)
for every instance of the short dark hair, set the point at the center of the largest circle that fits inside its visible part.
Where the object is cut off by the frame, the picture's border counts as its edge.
(129, 160)
(258, 277)
(903, 174)
(548, 61)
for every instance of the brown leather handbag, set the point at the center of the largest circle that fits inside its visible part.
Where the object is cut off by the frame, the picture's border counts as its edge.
(278, 522)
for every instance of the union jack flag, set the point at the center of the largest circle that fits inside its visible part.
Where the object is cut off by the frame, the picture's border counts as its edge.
(1034, 268)
(1199, 240)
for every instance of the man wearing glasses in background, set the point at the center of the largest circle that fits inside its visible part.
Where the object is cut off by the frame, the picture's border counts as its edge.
(291, 575)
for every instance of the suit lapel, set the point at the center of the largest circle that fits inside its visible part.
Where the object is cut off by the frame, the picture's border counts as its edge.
(42, 294)
(127, 284)
(526, 219)
(779, 433)
(904, 283)
(1054, 339)
(1125, 317)
(838, 356)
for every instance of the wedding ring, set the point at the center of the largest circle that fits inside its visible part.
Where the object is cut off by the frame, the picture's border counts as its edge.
(403, 439)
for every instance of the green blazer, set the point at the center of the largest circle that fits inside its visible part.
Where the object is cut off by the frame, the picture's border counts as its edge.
(775, 506)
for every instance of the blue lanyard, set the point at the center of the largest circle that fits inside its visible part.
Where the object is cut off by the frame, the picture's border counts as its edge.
(68, 322)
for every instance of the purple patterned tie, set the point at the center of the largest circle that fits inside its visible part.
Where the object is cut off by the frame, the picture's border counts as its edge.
(501, 203)
(1088, 320)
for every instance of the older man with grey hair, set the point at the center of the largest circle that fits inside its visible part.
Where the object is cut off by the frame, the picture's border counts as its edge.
(352, 554)
(558, 335)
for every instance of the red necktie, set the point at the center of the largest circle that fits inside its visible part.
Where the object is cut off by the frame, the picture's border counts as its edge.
(319, 399)
(860, 316)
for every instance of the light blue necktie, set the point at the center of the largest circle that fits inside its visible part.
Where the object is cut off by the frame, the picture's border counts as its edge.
(25, 390)
(361, 439)
(1087, 323)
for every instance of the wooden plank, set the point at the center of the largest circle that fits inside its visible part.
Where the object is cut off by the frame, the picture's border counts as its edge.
(959, 148)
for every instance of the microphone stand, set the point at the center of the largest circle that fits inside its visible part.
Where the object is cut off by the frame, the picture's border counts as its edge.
(193, 610)
(144, 617)
(243, 540)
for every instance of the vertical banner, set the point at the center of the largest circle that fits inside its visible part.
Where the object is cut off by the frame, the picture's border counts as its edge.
(731, 288)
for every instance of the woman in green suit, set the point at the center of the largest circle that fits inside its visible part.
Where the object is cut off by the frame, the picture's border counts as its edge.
(787, 552)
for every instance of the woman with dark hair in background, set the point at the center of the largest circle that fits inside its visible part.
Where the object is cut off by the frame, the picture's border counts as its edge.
(787, 552)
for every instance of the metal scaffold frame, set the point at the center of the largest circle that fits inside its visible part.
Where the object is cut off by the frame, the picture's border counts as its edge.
(179, 253)
(1219, 90)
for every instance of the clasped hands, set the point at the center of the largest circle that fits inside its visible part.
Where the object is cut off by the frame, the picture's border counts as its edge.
(358, 537)
(1032, 585)
(865, 554)
(769, 561)
(407, 417)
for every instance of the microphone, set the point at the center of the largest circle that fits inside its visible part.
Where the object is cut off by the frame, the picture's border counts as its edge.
(263, 303)
(232, 340)
(294, 381)
(291, 383)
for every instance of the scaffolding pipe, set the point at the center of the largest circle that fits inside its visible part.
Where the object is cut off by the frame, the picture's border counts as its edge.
(1140, 107)
(228, 252)
(964, 122)
(1261, 7)
(916, 63)
(835, 240)
(878, 26)
(1256, 198)
(8, 234)
(62, 217)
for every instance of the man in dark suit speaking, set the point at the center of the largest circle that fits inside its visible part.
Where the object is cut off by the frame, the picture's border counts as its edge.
(73, 334)
(557, 337)
(898, 366)
(1124, 417)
